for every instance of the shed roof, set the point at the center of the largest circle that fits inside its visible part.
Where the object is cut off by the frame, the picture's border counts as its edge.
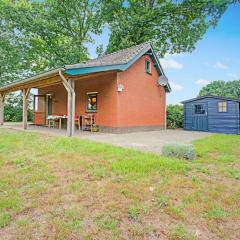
(209, 96)
(117, 61)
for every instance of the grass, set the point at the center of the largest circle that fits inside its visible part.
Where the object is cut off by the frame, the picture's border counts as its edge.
(4, 219)
(134, 212)
(216, 213)
(76, 189)
(179, 232)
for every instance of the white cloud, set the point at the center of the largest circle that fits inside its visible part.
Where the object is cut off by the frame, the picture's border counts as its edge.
(171, 63)
(202, 82)
(233, 76)
(220, 65)
(176, 87)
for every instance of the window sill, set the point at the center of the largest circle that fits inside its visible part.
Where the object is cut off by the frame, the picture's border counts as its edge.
(149, 73)
(91, 111)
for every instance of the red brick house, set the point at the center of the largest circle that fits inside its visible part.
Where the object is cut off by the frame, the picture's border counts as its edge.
(125, 91)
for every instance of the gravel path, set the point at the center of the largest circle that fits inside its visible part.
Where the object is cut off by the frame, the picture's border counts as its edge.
(145, 141)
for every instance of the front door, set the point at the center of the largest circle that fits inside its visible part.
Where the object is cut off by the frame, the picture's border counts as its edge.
(200, 117)
(49, 105)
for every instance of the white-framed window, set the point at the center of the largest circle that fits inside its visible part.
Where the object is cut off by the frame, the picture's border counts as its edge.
(222, 107)
(148, 66)
(92, 102)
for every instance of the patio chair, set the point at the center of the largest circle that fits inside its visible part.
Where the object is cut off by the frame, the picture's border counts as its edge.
(87, 122)
(77, 122)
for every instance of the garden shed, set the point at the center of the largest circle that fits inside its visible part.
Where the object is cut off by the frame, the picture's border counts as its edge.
(212, 114)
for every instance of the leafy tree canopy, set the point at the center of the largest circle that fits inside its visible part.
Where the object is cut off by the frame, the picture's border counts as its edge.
(39, 35)
(172, 26)
(221, 88)
(100, 50)
(13, 49)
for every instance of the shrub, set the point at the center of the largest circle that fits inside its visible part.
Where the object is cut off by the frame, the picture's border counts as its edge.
(13, 108)
(182, 151)
(174, 116)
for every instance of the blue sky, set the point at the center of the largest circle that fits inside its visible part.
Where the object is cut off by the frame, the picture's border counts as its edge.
(216, 57)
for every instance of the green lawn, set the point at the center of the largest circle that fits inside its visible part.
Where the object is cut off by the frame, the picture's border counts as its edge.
(62, 188)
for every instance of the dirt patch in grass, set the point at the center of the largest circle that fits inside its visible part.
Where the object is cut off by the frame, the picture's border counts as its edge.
(214, 154)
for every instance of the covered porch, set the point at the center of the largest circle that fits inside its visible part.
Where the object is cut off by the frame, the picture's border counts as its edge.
(62, 102)
(51, 112)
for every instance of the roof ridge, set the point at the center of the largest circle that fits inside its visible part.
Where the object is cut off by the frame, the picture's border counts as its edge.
(212, 96)
(121, 50)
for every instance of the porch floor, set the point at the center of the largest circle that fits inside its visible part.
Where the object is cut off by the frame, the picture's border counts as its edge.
(151, 141)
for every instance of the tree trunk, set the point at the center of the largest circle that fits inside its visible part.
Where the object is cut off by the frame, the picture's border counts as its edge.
(1, 109)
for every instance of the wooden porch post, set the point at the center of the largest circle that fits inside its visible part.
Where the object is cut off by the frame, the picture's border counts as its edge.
(73, 105)
(1, 109)
(69, 85)
(69, 110)
(25, 106)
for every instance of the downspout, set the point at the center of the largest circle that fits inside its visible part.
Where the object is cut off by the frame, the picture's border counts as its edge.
(165, 110)
(2, 96)
(71, 104)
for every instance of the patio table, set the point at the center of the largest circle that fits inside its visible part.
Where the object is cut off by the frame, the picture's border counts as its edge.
(60, 118)
(56, 118)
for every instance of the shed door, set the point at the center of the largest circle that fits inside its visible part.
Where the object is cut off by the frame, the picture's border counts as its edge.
(200, 117)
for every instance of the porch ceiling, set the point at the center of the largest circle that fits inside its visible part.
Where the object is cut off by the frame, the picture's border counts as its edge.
(44, 80)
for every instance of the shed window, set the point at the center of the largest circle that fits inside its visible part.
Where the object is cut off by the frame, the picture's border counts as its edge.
(199, 109)
(148, 66)
(222, 107)
(91, 102)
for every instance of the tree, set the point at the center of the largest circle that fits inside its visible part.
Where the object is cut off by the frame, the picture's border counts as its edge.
(100, 50)
(13, 48)
(172, 26)
(49, 33)
(13, 108)
(39, 35)
(174, 116)
(221, 88)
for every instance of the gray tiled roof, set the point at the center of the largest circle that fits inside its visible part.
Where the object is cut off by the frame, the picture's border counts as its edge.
(119, 57)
